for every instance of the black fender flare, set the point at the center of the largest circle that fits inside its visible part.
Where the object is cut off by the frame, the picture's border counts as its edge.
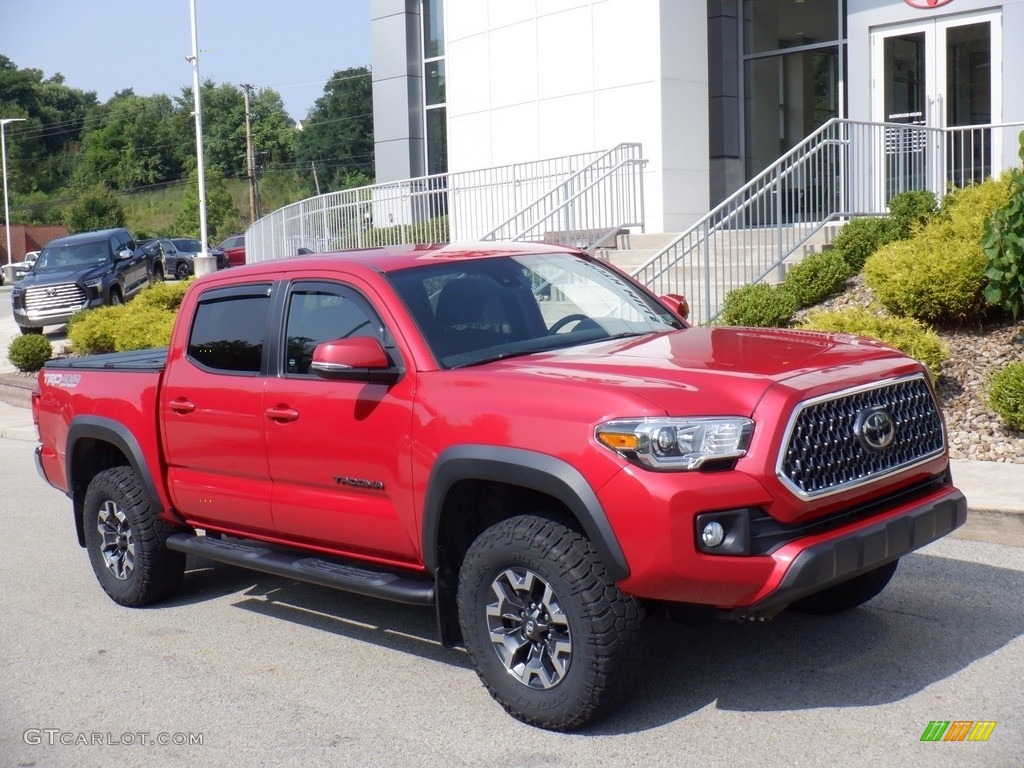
(117, 434)
(528, 469)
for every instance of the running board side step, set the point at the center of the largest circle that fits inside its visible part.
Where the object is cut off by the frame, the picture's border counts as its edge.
(299, 565)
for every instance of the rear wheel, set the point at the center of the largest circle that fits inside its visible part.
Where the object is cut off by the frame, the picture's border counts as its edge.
(30, 331)
(551, 636)
(849, 594)
(126, 540)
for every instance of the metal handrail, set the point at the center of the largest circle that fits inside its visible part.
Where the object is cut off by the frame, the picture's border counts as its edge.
(845, 168)
(465, 206)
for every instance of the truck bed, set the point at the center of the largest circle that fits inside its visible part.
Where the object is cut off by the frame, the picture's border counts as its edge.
(152, 360)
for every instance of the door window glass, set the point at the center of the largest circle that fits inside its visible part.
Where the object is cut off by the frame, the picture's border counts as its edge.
(319, 313)
(228, 332)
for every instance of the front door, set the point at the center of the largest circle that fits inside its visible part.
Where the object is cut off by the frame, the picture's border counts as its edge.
(943, 74)
(339, 451)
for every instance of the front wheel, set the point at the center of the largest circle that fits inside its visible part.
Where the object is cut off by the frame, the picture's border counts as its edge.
(126, 541)
(181, 271)
(848, 594)
(551, 636)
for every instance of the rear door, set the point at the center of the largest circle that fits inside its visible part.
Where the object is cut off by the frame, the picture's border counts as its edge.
(211, 408)
(339, 451)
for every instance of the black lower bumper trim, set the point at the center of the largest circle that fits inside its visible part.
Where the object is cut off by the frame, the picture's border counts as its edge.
(823, 565)
(295, 564)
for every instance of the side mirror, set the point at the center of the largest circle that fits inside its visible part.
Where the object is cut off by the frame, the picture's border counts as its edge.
(125, 255)
(357, 359)
(677, 303)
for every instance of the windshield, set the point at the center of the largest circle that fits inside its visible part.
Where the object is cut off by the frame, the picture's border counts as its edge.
(487, 309)
(188, 246)
(56, 257)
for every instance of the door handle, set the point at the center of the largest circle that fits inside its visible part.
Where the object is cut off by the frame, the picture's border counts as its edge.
(282, 413)
(181, 405)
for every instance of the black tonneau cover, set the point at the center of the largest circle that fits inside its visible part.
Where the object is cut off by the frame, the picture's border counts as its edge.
(138, 360)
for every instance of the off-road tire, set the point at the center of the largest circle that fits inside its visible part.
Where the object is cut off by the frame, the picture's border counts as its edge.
(848, 594)
(575, 666)
(126, 541)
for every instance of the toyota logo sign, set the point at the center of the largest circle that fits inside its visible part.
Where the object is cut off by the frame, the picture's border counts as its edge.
(926, 3)
(875, 429)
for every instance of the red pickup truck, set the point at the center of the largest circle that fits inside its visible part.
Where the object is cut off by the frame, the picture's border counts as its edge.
(518, 435)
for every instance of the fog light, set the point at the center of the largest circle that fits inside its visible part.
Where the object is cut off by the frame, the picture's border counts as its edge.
(713, 534)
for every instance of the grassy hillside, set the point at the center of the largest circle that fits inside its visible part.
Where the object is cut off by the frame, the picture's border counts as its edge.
(151, 213)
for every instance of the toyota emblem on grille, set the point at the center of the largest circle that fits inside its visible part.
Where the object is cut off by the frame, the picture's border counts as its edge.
(51, 292)
(875, 429)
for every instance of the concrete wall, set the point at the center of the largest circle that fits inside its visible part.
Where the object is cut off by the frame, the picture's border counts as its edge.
(543, 78)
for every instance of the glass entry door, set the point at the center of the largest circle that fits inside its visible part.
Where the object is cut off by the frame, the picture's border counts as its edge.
(940, 74)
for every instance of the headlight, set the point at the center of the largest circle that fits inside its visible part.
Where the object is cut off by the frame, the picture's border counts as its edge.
(677, 444)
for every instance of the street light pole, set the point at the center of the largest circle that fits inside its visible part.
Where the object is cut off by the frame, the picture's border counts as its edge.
(3, 150)
(204, 263)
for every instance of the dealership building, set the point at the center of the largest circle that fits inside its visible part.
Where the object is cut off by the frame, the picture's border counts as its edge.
(714, 90)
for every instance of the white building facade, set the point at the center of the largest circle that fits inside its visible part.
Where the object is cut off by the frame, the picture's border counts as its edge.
(715, 90)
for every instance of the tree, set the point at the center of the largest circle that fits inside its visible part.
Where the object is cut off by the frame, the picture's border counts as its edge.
(96, 208)
(135, 146)
(42, 153)
(222, 218)
(338, 136)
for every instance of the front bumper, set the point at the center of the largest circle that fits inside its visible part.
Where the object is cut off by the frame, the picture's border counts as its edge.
(833, 560)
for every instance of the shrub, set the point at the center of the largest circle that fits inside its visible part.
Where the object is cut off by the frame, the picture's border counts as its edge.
(760, 305)
(1006, 394)
(1003, 244)
(92, 332)
(143, 327)
(910, 336)
(29, 353)
(817, 277)
(862, 237)
(938, 274)
(165, 296)
(910, 210)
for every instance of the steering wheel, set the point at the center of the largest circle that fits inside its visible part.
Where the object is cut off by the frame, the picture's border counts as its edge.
(575, 318)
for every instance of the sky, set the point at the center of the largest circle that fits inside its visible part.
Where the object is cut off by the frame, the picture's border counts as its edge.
(292, 46)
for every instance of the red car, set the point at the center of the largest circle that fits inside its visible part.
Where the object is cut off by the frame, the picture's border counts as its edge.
(520, 436)
(234, 247)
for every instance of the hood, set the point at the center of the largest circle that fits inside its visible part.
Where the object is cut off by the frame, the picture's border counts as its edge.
(713, 371)
(73, 274)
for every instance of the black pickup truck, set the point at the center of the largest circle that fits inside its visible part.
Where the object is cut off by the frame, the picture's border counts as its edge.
(90, 269)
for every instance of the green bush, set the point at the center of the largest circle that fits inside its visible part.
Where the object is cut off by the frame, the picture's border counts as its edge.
(910, 210)
(430, 231)
(860, 238)
(1003, 244)
(143, 327)
(938, 274)
(817, 277)
(29, 353)
(165, 296)
(93, 331)
(910, 336)
(1006, 394)
(758, 305)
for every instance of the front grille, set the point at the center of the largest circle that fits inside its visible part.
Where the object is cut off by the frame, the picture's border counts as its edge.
(45, 298)
(824, 453)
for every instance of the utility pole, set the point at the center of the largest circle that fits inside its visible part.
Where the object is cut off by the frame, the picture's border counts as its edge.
(249, 157)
